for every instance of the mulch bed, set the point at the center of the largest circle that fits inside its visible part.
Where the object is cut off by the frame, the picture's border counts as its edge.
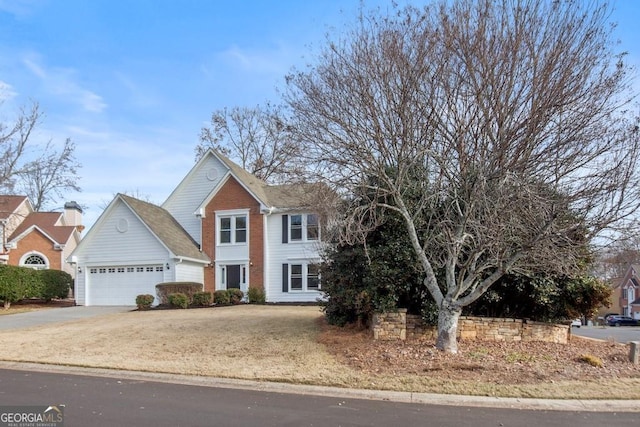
(495, 362)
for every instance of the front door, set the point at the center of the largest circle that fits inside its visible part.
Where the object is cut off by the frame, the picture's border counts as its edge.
(233, 276)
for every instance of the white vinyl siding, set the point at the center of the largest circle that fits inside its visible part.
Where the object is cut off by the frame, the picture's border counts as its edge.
(107, 247)
(110, 246)
(189, 272)
(192, 191)
(278, 253)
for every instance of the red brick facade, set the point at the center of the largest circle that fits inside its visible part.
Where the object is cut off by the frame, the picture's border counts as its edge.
(37, 242)
(232, 196)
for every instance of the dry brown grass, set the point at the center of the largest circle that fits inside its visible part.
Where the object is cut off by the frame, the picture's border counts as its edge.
(282, 343)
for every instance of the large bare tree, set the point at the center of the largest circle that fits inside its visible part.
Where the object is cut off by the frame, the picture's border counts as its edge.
(41, 172)
(259, 138)
(499, 131)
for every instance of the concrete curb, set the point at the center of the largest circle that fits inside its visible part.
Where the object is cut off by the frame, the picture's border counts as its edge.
(337, 392)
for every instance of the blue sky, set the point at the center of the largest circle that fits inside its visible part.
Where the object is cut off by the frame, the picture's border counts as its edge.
(132, 82)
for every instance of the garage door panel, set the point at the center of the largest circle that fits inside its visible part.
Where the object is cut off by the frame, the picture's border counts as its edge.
(119, 285)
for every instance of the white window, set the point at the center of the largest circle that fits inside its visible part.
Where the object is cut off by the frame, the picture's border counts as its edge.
(303, 277)
(304, 228)
(232, 229)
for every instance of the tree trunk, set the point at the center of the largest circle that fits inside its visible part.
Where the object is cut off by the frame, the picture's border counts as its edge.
(7, 304)
(448, 316)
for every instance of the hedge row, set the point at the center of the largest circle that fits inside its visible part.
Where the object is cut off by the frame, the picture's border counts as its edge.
(188, 294)
(163, 290)
(18, 283)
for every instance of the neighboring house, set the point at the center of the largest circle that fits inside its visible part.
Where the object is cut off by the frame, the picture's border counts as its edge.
(42, 240)
(629, 300)
(613, 305)
(221, 226)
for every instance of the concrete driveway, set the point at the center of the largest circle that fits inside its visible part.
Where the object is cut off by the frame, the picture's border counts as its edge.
(56, 315)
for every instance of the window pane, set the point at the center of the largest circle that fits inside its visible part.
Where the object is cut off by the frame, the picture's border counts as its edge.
(225, 223)
(241, 229)
(34, 260)
(313, 281)
(296, 227)
(225, 236)
(312, 227)
(241, 222)
(296, 233)
(296, 277)
(296, 283)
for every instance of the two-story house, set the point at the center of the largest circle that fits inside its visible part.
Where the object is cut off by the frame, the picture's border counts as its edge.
(221, 226)
(629, 294)
(42, 240)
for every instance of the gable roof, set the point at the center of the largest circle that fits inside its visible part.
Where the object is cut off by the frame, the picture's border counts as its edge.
(284, 196)
(252, 183)
(46, 223)
(165, 228)
(9, 204)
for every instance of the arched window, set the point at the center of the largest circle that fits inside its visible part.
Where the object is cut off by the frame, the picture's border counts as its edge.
(35, 261)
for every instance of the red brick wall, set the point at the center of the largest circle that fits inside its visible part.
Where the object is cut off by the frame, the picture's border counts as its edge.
(233, 196)
(36, 241)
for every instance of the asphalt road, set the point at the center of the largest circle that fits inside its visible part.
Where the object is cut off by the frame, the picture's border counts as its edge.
(99, 401)
(622, 334)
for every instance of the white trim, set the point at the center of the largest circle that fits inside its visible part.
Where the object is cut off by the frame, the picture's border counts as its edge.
(36, 266)
(221, 274)
(303, 228)
(304, 277)
(233, 214)
(29, 230)
(223, 181)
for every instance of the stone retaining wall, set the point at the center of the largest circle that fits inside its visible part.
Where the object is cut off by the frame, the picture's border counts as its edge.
(402, 326)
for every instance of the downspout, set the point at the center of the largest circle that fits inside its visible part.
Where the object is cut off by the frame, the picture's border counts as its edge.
(265, 256)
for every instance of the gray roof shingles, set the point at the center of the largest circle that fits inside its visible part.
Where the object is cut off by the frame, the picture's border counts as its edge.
(166, 228)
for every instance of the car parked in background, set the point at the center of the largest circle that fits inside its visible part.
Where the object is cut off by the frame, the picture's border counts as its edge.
(622, 321)
(576, 323)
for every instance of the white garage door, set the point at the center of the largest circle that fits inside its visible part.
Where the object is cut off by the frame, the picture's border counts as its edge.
(119, 285)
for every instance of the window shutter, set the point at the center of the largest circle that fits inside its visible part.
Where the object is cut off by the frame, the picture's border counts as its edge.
(285, 277)
(285, 228)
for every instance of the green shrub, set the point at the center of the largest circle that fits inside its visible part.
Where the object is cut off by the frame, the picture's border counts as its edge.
(221, 297)
(202, 299)
(235, 295)
(256, 295)
(54, 284)
(144, 301)
(179, 300)
(163, 290)
(18, 283)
